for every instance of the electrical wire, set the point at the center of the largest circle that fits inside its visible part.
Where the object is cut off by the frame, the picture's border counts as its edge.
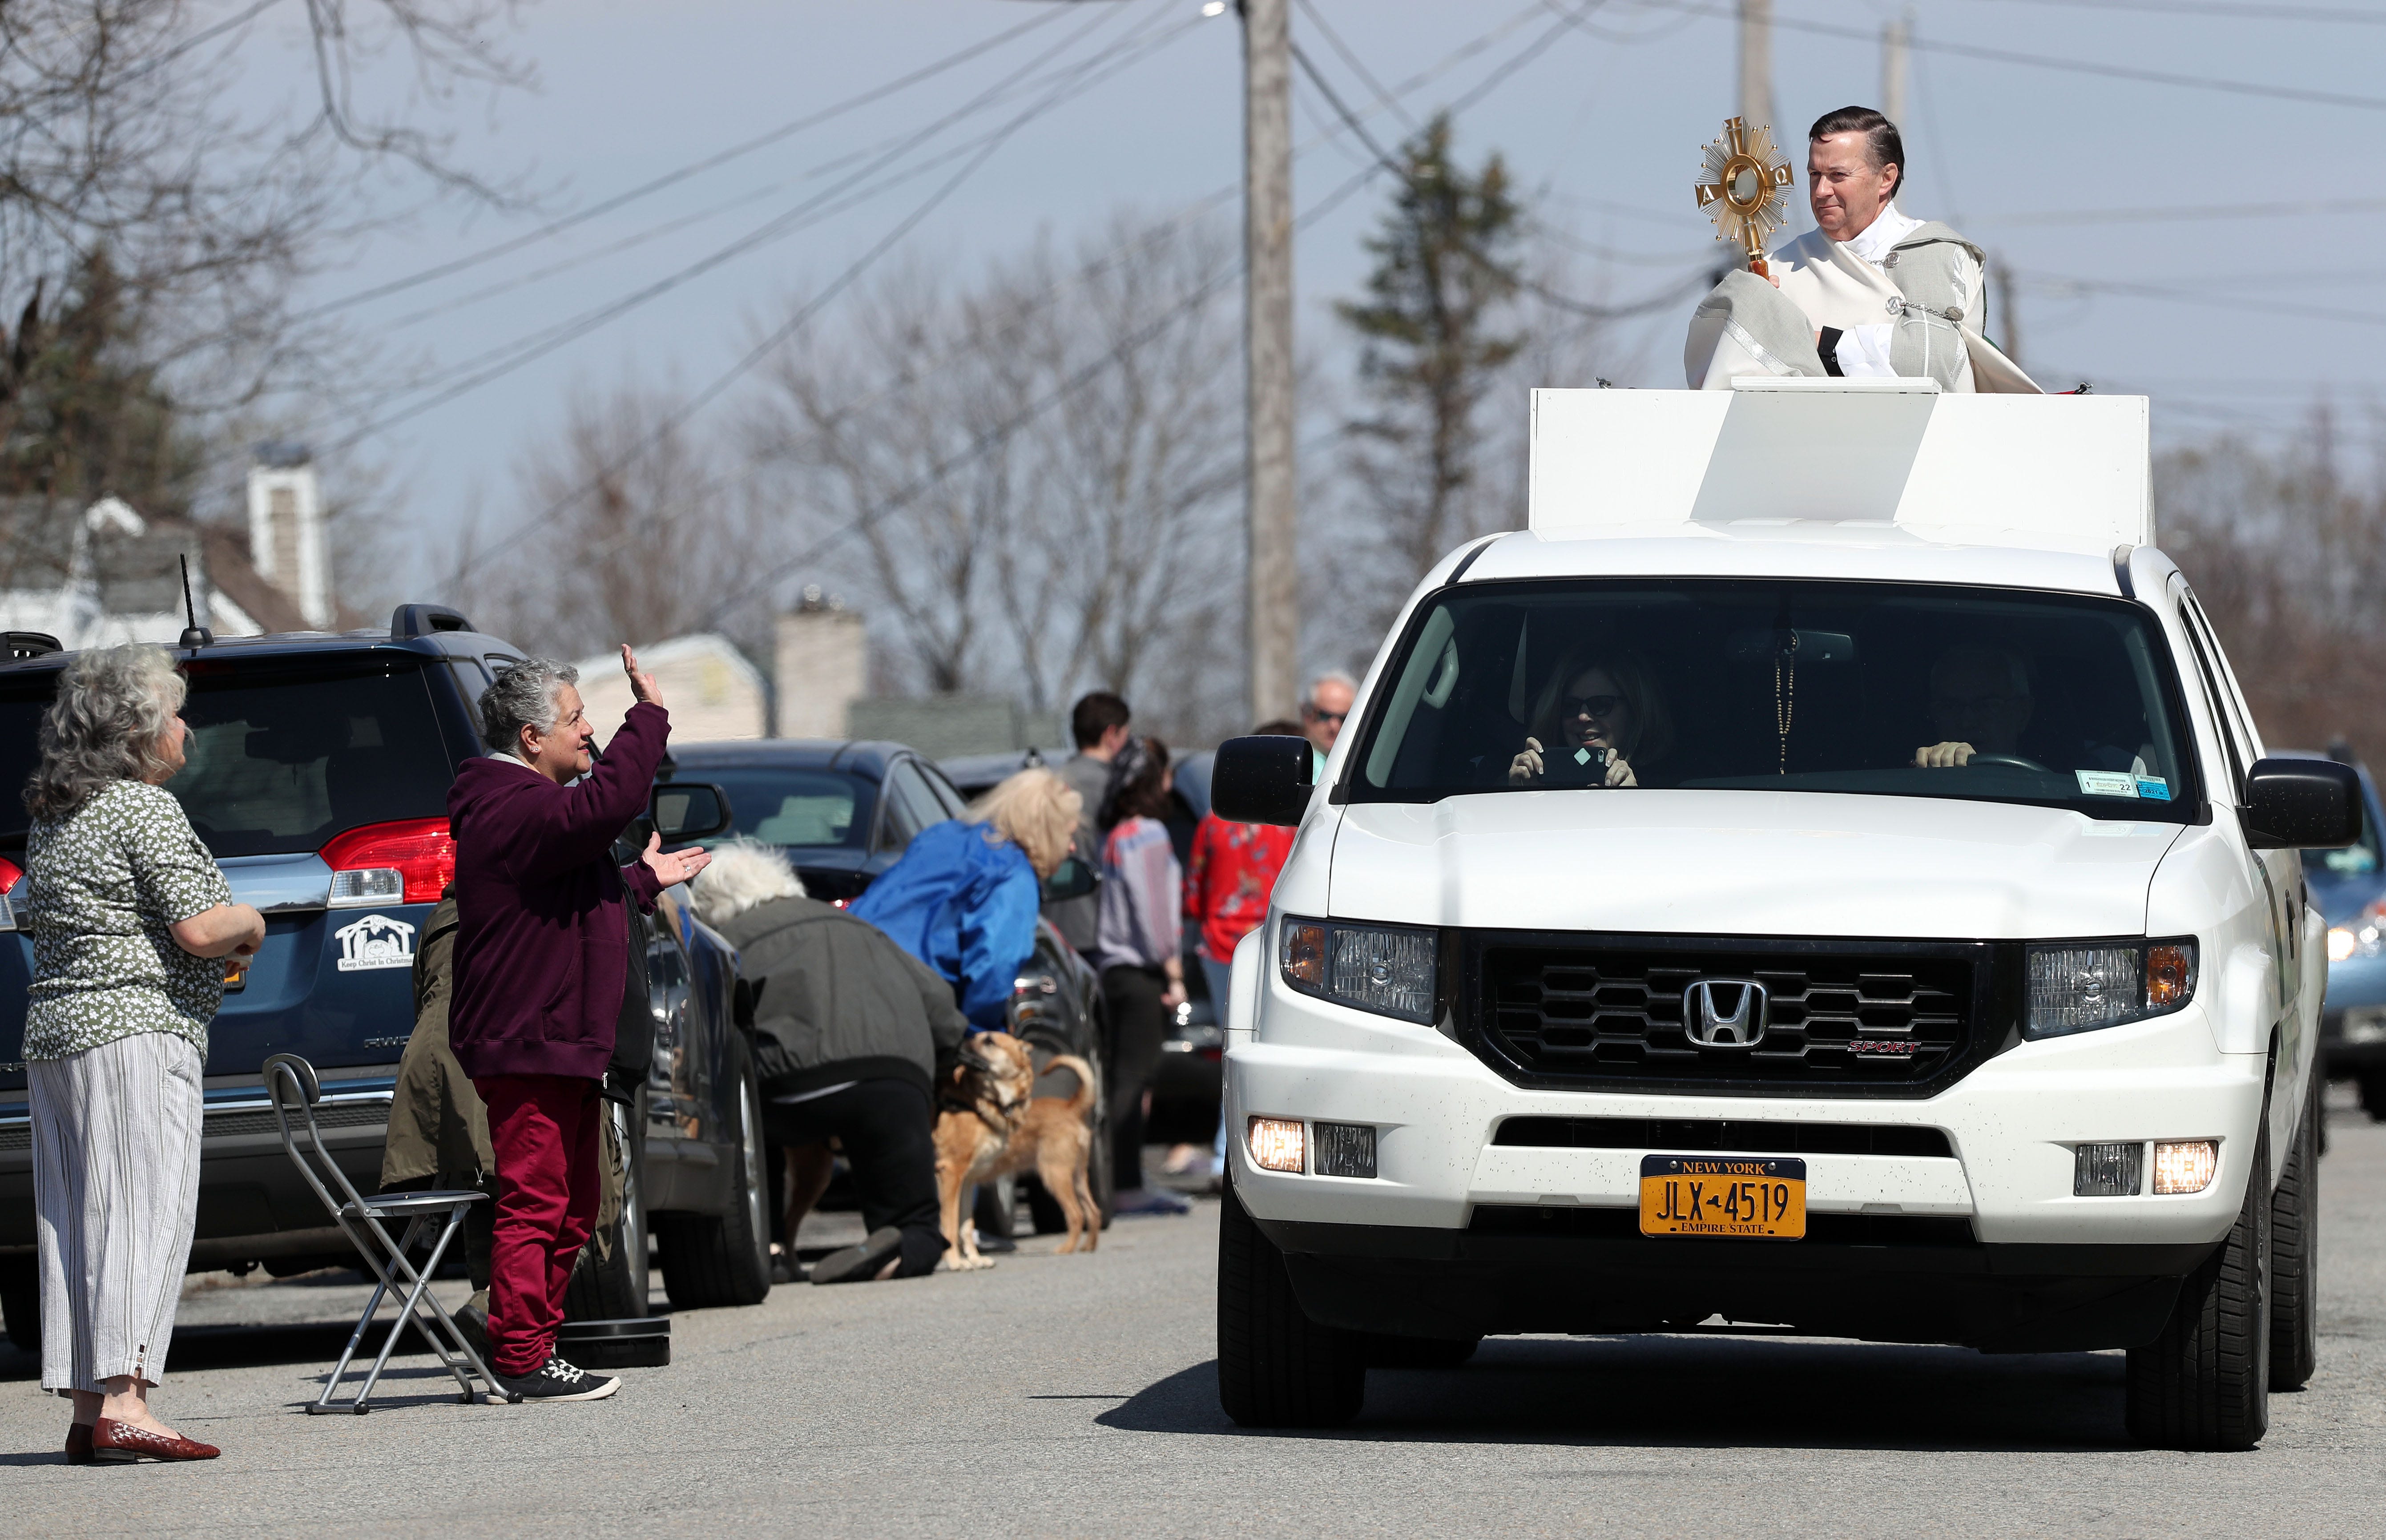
(2188, 212)
(1383, 161)
(681, 173)
(2042, 61)
(2222, 8)
(521, 351)
(672, 421)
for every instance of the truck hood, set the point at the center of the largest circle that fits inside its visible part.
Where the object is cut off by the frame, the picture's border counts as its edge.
(1745, 863)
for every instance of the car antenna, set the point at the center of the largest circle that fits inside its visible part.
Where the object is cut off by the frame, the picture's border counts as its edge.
(194, 635)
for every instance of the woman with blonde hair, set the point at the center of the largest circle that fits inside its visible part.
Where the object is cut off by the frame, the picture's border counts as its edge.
(1599, 701)
(131, 921)
(963, 899)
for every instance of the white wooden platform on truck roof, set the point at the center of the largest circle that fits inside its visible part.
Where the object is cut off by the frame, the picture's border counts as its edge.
(1772, 458)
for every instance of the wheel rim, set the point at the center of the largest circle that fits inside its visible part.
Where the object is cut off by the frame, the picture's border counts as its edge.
(750, 1151)
(634, 1208)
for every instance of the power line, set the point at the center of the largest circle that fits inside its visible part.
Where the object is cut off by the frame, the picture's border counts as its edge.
(513, 355)
(803, 315)
(1383, 161)
(2126, 289)
(679, 174)
(2223, 8)
(2041, 61)
(2188, 212)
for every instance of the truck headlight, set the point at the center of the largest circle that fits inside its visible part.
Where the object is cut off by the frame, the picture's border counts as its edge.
(2080, 988)
(1391, 972)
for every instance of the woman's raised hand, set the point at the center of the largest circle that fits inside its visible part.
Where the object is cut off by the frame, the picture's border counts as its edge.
(1619, 772)
(642, 685)
(1526, 766)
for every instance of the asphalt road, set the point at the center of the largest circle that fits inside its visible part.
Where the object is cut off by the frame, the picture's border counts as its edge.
(1069, 1395)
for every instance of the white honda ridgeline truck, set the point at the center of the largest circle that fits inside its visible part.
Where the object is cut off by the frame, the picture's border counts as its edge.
(1824, 875)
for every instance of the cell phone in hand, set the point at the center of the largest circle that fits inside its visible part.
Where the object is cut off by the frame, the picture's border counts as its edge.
(1575, 767)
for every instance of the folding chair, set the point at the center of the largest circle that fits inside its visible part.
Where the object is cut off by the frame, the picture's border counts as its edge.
(291, 1082)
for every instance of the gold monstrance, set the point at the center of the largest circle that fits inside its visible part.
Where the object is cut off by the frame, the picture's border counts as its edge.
(1744, 184)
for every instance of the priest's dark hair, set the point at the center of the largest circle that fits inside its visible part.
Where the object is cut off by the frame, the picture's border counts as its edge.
(1881, 137)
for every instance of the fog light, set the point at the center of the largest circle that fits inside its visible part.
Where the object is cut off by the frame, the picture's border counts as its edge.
(2107, 1171)
(1277, 1144)
(2186, 1165)
(1346, 1149)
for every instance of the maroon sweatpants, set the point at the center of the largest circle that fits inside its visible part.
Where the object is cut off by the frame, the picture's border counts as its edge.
(545, 1130)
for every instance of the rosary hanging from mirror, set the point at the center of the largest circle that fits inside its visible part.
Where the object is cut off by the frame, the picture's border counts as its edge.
(1785, 696)
(1744, 184)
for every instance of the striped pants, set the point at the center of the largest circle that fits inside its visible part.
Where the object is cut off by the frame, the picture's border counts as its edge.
(116, 1188)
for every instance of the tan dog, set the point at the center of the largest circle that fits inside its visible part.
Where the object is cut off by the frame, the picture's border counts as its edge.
(989, 1123)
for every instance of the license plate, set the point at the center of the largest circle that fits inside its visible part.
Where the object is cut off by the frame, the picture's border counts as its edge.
(1718, 1195)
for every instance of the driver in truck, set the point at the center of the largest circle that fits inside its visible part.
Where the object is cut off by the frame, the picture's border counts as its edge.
(1980, 704)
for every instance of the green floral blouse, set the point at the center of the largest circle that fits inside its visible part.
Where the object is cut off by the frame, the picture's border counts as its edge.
(106, 884)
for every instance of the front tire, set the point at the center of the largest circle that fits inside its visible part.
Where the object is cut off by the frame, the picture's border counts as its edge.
(2294, 1255)
(2204, 1384)
(725, 1259)
(1276, 1368)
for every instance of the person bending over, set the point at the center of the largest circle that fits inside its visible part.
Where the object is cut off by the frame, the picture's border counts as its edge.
(1597, 702)
(963, 898)
(848, 1030)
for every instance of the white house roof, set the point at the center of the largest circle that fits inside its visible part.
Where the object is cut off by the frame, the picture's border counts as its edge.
(1844, 465)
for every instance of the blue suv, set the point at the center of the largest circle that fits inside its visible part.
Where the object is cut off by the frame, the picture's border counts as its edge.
(318, 776)
(2349, 888)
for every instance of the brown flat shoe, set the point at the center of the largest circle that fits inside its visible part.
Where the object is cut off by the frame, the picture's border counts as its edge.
(114, 1442)
(79, 1444)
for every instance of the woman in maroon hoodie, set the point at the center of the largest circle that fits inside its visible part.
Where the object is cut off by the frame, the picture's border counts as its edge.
(542, 954)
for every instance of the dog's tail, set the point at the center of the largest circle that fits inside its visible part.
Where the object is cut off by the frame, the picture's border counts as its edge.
(1083, 1102)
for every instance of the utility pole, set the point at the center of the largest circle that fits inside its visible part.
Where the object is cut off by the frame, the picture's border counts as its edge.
(2011, 340)
(1756, 64)
(1896, 45)
(1273, 535)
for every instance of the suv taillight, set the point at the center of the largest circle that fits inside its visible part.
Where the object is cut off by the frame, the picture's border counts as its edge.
(10, 873)
(407, 862)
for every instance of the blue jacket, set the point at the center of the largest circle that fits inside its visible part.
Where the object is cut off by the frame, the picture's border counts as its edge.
(964, 905)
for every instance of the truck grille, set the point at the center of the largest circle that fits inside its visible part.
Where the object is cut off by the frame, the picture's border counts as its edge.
(1861, 1018)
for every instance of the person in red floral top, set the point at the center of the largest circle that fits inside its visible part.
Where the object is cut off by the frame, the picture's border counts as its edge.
(1228, 881)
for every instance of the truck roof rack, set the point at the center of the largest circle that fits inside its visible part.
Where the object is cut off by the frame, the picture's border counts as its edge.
(409, 621)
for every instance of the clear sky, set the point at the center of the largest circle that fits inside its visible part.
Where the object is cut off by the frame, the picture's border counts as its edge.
(2121, 203)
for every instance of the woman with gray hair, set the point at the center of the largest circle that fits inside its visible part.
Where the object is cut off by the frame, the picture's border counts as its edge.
(130, 920)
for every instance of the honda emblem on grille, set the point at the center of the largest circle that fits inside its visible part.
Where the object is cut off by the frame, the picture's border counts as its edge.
(1724, 1013)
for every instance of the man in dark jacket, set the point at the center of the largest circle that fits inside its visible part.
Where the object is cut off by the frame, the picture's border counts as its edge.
(849, 1029)
(542, 949)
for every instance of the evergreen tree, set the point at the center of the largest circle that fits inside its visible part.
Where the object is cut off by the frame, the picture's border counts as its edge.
(1431, 347)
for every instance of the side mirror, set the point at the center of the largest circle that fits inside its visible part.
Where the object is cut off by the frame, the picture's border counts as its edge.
(2302, 805)
(688, 810)
(1262, 780)
(1072, 878)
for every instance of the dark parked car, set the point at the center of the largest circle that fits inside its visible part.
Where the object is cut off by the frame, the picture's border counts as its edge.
(318, 775)
(843, 812)
(2349, 889)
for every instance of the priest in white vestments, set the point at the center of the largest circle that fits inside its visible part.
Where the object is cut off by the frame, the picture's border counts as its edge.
(1870, 292)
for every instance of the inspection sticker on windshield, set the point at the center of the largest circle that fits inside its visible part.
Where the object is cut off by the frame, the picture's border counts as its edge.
(2154, 788)
(2107, 782)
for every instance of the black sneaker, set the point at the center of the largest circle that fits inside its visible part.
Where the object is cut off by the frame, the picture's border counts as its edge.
(559, 1381)
(860, 1264)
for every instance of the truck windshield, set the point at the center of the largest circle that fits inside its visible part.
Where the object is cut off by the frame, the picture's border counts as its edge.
(1881, 689)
